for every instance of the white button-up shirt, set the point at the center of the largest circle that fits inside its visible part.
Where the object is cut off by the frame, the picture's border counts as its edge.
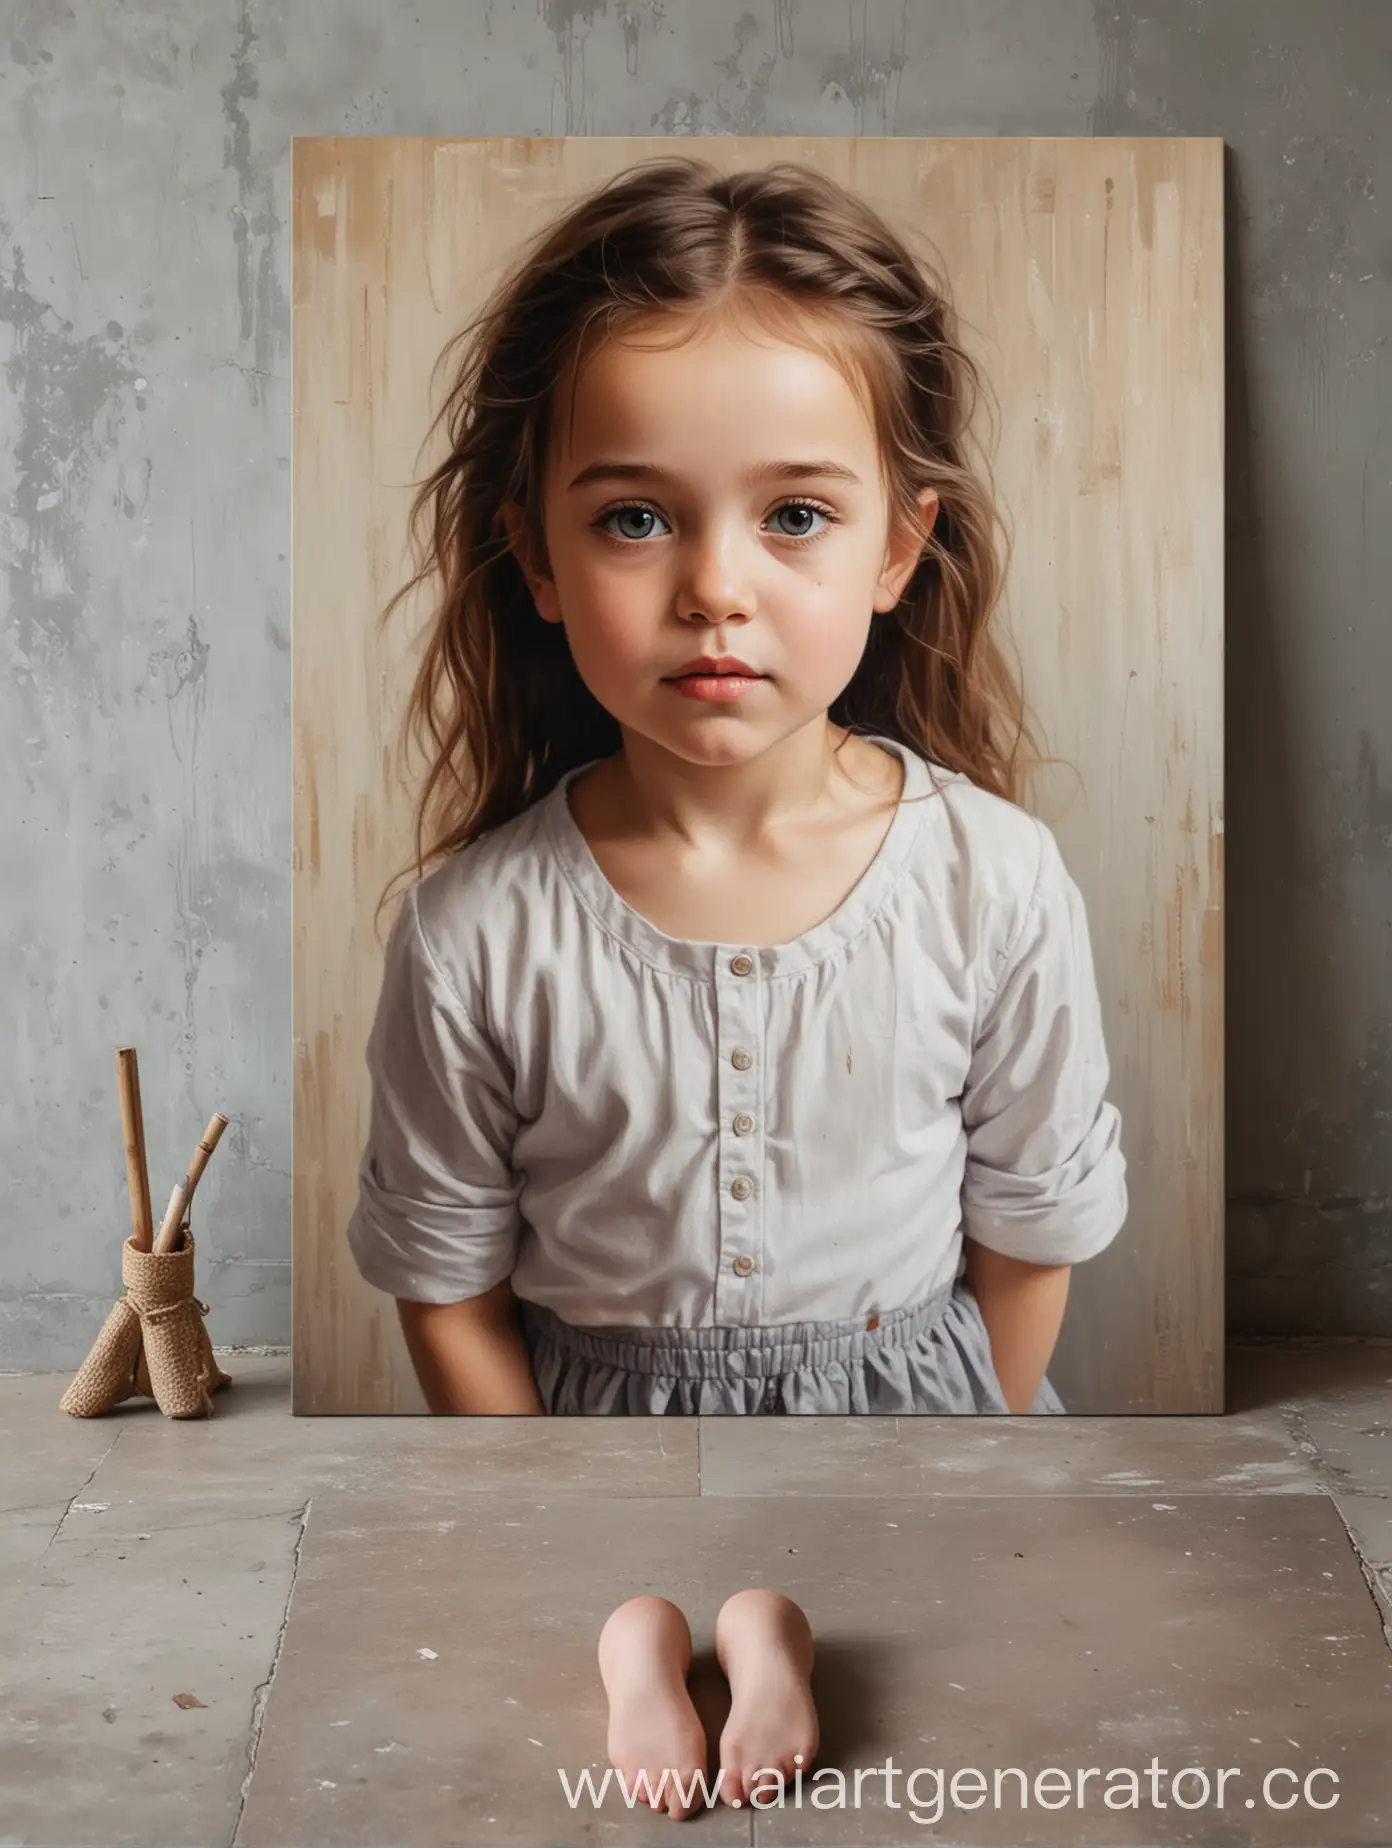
(641, 1130)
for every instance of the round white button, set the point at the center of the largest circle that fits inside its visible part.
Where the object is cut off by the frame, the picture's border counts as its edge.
(741, 964)
(742, 1266)
(743, 1123)
(741, 1188)
(741, 1060)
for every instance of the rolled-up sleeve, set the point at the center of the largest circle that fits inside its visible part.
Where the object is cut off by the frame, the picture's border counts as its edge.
(1045, 1176)
(437, 1217)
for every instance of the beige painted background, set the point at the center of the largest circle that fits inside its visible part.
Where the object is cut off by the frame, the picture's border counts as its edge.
(1089, 277)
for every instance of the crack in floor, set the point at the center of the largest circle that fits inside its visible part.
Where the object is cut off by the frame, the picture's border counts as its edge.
(263, 1693)
(1371, 1577)
(85, 1485)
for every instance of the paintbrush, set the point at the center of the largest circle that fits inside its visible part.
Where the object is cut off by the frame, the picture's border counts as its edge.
(182, 1196)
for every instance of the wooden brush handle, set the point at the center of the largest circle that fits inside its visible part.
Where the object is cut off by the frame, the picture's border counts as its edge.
(133, 1123)
(169, 1226)
(182, 1197)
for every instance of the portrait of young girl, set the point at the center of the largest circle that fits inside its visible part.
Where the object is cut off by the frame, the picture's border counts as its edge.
(739, 1047)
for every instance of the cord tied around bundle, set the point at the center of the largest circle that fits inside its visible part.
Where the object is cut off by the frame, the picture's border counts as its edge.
(154, 1343)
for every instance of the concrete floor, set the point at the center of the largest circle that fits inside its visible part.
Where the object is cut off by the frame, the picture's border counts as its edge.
(387, 1626)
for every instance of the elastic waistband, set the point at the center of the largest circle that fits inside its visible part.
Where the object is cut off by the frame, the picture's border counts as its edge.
(726, 1352)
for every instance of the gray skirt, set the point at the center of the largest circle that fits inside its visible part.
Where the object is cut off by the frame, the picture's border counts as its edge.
(931, 1358)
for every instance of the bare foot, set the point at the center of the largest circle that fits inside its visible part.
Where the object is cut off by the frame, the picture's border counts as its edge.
(764, 1644)
(655, 1732)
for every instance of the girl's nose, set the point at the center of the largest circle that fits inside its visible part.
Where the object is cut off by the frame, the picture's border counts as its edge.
(717, 580)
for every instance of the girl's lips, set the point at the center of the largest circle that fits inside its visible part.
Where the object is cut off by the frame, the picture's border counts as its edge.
(715, 686)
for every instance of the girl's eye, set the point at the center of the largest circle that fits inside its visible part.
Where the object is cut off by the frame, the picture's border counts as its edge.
(633, 512)
(802, 508)
(638, 512)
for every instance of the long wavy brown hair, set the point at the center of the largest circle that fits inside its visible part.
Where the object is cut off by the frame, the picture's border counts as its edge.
(498, 703)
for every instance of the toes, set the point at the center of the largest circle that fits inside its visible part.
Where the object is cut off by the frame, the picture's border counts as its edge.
(677, 1805)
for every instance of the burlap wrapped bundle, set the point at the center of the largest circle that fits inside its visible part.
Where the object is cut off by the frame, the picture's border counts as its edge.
(154, 1343)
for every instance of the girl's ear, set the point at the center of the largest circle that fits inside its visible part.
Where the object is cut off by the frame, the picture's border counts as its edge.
(542, 588)
(903, 554)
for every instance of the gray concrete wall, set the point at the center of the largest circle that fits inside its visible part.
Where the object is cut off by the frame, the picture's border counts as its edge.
(144, 520)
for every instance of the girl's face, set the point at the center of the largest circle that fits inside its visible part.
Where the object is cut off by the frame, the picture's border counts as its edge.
(716, 498)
